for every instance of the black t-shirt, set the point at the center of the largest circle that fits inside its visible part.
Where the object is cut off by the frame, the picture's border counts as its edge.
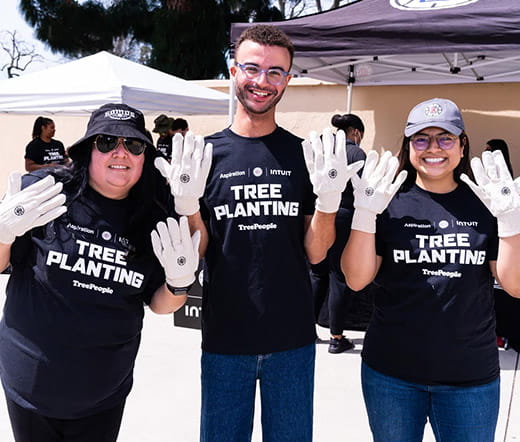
(257, 296)
(433, 321)
(164, 146)
(42, 152)
(74, 309)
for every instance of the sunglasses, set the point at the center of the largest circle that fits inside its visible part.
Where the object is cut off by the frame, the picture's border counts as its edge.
(107, 143)
(422, 142)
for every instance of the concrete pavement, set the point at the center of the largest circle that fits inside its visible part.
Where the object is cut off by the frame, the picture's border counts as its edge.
(164, 403)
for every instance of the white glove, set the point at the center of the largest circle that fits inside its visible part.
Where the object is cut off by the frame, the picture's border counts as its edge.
(374, 190)
(36, 205)
(188, 171)
(329, 171)
(497, 190)
(177, 251)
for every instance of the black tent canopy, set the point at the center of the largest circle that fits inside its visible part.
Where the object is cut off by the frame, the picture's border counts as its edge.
(377, 42)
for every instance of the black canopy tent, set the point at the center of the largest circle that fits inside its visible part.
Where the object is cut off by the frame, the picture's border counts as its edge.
(383, 42)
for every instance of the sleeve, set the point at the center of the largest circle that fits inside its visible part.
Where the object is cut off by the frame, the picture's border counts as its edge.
(61, 148)
(156, 280)
(380, 245)
(31, 152)
(492, 250)
(309, 202)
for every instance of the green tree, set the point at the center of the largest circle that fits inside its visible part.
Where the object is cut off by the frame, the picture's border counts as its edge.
(188, 38)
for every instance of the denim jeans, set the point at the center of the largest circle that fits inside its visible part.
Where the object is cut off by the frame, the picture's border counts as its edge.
(398, 410)
(286, 381)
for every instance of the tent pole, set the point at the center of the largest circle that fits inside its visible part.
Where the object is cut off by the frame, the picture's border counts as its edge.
(350, 83)
(349, 98)
(232, 98)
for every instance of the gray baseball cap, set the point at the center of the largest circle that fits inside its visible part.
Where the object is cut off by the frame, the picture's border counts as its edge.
(437, 112)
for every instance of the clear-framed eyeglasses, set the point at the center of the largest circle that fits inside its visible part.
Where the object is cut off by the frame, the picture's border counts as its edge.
(444, 141)
(274, 76)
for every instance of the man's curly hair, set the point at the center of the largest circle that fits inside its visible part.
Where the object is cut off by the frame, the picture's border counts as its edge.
(266, 35)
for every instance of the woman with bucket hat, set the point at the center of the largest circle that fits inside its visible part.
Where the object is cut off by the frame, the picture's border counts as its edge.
(80, 242)
(432, 250)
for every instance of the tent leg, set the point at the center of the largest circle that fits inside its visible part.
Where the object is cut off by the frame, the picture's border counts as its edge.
(350, 84)
(349, 97)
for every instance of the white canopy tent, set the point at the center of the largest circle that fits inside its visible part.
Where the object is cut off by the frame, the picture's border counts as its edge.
(83, 85)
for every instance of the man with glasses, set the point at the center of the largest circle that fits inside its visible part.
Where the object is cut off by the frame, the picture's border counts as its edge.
(259, 227)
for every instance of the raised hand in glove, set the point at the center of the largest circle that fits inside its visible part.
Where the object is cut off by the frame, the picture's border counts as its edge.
(329, 171)
(188, 171)
(36, 205)
(497, 190)
(375, 189)
(177, 251)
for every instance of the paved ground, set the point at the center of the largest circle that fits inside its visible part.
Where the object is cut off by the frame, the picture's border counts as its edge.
(164, 403)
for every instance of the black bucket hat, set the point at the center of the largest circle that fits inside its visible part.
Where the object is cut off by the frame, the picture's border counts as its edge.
(162, 124)
(115, 119)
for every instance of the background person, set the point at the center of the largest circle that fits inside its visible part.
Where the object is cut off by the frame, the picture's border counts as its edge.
(507, 308)
(180, 125)
(74, 307)
(163, 126)
(430, 351)
(44, 150)
(259, 206)
(501, 145)
(326, 276)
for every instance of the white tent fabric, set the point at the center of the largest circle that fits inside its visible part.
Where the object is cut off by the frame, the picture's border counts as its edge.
(83, 85)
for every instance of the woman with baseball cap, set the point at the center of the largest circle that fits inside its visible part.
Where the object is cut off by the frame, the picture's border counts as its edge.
(80, 242)
(432, 249)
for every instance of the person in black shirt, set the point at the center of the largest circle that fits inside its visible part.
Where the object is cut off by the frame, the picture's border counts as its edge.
(79, 242)
(180, 125)
(432, 251)
(501, 145)
(328, 282)
(268, 205)
(44, 150)
(163, 126)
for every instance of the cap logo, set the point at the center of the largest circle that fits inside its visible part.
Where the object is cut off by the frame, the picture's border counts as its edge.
(119, 114)
(433, 110)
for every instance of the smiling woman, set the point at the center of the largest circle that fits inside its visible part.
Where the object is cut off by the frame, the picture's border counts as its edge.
(85, 260)
(430, 351)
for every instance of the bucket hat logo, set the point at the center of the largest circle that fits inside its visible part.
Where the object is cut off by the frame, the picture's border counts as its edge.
(119, 114)
(116, 120)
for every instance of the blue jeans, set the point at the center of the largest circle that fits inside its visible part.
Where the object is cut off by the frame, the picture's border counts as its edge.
(397, 410)
(286, 382)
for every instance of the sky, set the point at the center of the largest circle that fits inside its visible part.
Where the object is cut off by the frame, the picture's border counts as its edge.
(11, 20)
